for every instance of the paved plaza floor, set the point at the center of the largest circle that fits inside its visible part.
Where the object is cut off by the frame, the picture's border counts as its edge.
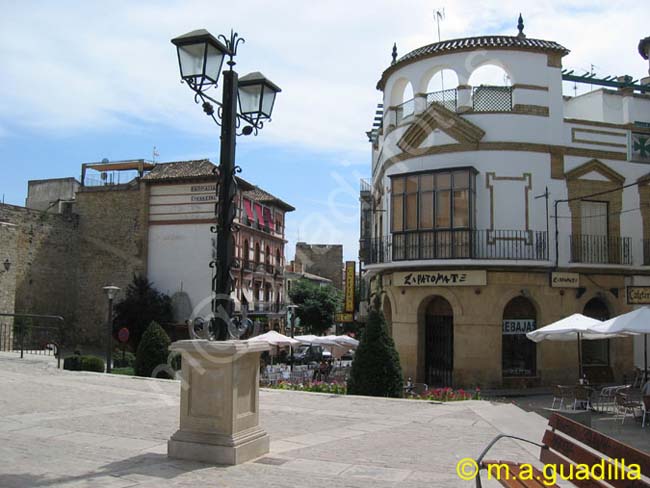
(72, 429)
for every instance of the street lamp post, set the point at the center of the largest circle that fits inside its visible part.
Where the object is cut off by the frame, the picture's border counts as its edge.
(110, 291)
(200, 58)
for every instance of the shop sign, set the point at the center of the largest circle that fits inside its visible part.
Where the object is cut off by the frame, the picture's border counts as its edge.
(565, 280)
(638, 295)
(349, 286)
(344, 317)
(441, 278)
(518, 326)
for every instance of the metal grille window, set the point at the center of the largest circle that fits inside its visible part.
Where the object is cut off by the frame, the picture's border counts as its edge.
(404, 110)
(487, 98)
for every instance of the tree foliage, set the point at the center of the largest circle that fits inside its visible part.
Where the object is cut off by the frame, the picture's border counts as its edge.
(152, 351)
(142, 305)
(376, 369)
(317, 305)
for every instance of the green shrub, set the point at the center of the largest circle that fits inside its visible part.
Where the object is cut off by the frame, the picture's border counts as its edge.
(127, 362)
(72, 363)
(92, 363)
(124, 371)
(376, 370)
(84, 363)
(152, 351)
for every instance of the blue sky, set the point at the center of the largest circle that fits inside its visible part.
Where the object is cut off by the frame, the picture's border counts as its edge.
(93, 80)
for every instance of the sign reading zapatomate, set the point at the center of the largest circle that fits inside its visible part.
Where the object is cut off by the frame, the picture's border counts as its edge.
(638, 295)
(565, 280)
(441, 278)
(518, 326)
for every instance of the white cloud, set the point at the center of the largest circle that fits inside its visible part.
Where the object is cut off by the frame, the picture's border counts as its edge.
(71, 66)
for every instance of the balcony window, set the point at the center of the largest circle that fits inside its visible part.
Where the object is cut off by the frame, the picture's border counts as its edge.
(447, 195)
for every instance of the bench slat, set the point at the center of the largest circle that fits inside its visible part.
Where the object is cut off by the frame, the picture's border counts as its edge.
(514, 481)
(549, 457)
(580, 455)
(601, 443)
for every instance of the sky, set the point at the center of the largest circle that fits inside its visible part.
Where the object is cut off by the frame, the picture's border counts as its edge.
(84, 81)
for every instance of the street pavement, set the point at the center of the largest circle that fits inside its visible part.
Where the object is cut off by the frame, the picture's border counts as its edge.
(75, 429)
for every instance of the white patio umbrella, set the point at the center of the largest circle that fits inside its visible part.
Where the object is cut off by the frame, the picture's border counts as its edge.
(344, 341)
(275, 339)
(571, 328)
(632, 323)
(313, 339)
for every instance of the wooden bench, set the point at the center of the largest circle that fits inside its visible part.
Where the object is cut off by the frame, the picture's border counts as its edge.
(564, 445)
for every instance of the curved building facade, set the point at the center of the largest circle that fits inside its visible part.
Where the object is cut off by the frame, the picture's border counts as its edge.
(495, 209)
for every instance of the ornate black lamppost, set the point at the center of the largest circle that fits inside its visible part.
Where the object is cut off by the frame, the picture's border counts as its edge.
(110, 291)
(200, 58)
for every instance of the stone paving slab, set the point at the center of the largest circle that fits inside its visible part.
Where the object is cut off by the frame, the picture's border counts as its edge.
(60, 428)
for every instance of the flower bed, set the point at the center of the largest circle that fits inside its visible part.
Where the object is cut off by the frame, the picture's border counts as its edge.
(448, 394)
(313, 386)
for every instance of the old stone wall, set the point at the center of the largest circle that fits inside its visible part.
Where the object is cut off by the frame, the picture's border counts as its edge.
(112, 248)
(42, 248)
(324, 260)
(8, 234)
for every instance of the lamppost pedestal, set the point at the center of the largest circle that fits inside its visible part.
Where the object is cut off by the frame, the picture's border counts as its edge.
(219, 421)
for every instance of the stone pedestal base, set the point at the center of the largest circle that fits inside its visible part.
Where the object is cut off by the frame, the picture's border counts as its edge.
(219, 421)
(218, 449)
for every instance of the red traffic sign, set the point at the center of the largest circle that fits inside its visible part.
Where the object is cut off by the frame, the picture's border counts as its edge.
(123, 334)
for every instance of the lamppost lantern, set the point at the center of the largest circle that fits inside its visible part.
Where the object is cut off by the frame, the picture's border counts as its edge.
(111, 291)
(245, 104)
(7, 264)
(200, 58)
(256, 95)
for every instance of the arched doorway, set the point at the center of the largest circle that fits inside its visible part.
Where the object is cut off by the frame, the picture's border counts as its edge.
(439, 343)
(596, 353)
(518, 353)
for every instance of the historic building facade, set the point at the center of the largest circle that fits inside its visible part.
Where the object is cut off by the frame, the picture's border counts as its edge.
(133, 217)
(497, 209)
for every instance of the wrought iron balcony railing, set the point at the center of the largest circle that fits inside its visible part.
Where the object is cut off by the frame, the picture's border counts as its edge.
(601, 249)
(404, 110)
(492, 98)
(516, 245)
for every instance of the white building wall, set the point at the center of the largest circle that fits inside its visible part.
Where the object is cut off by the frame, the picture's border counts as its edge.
(178, 260)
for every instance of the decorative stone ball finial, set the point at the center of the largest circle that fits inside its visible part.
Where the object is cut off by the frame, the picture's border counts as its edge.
(394, 53)
(520, 27)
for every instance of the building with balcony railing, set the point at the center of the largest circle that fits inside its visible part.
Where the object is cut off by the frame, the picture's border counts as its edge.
(497, 205)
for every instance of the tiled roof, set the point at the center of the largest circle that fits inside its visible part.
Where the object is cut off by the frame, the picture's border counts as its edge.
(180, 170)
(259, 195)
(469, 43)
(204, 168)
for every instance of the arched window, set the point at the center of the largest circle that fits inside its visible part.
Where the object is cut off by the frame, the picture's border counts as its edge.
(245, 252)
(491, 89)
(441, 89)
(596, 353)
(518, 353)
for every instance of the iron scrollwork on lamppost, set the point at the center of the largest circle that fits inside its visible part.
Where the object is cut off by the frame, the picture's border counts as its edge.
(200, 59)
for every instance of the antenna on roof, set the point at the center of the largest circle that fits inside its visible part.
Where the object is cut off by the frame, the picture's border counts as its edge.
(154, 154)
(438, 15)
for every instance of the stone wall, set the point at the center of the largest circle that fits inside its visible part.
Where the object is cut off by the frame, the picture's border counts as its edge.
(43, 262)
(8, 234)
(324, 260)
(112, 248)
(477, 324)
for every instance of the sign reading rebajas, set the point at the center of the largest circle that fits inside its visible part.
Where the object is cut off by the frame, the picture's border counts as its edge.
(518, 326)
(441, 278)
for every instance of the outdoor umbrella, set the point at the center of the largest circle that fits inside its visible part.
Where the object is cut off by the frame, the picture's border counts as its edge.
(276, 339)
(313, 339)
(576, 326)
(344, 341)
(631, 323)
